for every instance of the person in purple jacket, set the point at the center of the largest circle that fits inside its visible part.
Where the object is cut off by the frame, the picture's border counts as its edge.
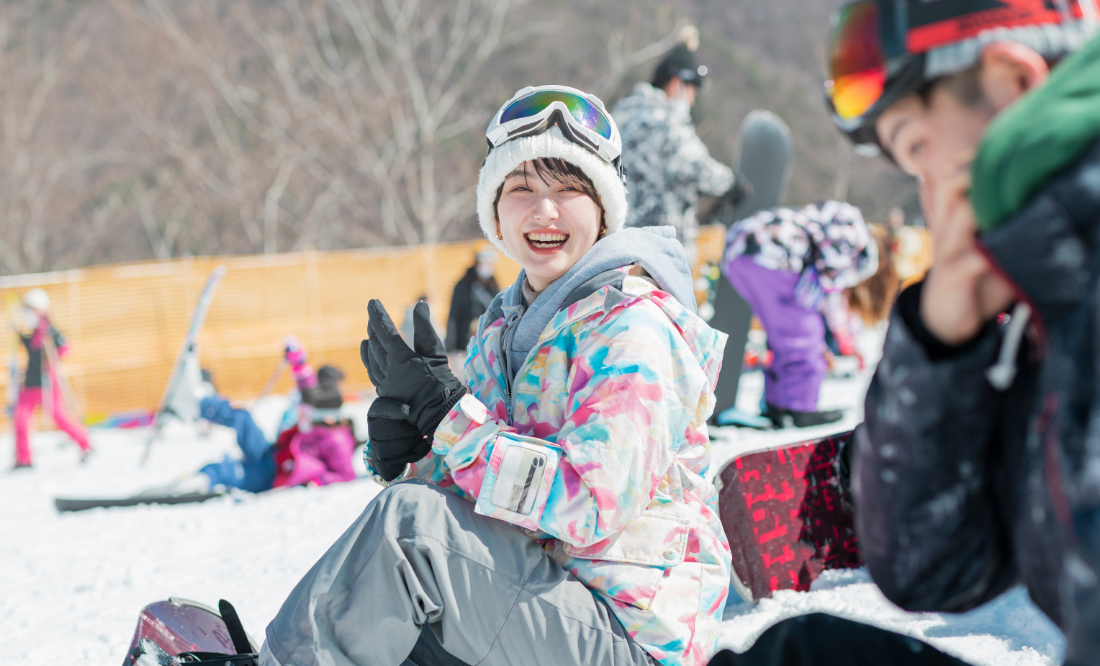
(785, 263)
(315, 451)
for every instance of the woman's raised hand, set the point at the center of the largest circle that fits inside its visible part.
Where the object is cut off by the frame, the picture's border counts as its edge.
(419, 377)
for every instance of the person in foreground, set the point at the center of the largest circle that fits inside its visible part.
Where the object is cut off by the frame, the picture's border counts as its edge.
(555, 510)
(978, 466)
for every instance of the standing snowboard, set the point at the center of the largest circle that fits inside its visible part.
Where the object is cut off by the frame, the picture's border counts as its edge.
(188, 355)
(765, 161)
(787, 516)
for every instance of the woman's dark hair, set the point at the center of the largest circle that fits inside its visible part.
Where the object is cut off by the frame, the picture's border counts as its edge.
(560, 171)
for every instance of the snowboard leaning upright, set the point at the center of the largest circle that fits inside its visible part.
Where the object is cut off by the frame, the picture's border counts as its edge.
(187, 354)
(765, 161)
(787, 516)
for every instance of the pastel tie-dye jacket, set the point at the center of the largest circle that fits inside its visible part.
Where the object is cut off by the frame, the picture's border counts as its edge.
(603, 458)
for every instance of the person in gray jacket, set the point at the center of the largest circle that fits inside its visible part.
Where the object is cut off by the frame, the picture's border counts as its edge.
(667, 165)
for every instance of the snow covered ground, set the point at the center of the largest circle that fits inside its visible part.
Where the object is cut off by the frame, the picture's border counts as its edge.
(71, 585)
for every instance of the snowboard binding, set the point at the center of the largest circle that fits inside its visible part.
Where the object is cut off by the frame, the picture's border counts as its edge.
(178, 632)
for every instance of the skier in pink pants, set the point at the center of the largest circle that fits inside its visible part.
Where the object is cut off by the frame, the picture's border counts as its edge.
(36, 304)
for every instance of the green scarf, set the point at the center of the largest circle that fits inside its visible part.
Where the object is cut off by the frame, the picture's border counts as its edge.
(1042, 133)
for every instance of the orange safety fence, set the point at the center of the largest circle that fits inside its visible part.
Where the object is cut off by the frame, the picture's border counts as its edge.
(124, 323)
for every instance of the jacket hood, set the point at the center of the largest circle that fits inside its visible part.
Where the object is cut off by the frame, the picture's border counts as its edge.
(1038, 136)
(655, 249)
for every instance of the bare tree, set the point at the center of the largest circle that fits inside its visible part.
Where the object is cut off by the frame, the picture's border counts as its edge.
(45, 156)
(621, 60)
(359, 112)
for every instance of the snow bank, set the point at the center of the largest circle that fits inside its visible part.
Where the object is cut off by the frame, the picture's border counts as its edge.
(73, 584)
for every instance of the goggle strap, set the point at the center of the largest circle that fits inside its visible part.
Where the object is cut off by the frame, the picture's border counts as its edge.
(620, 168)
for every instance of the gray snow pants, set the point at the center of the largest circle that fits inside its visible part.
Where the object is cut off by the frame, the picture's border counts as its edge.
(421, 579)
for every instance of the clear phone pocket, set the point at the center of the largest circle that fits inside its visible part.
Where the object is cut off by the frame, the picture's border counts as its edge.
(517, 483)
(519, 479)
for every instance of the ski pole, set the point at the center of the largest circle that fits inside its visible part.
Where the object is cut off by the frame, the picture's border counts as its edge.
(67, 393)
(274, 379)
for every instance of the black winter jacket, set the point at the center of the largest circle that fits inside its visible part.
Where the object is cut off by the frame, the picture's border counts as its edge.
(32, 378)
(470, 300)
(964, 490)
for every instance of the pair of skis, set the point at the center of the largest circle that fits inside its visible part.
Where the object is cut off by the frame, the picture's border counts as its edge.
(188, 354)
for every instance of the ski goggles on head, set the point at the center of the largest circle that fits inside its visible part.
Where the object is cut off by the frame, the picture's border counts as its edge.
(581, 117)
(695, 77)
(868, 67)
(882, 50)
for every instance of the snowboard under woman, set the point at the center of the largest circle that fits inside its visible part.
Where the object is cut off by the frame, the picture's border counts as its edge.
(555, 510)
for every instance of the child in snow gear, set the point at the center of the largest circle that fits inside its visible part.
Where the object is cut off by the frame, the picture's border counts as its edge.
(41, 383)
(977, 467)
(316, 450)
(667, 164)
(786, 263)
(554, 510)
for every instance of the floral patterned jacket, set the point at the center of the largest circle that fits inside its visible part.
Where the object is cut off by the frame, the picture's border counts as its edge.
(603, 458)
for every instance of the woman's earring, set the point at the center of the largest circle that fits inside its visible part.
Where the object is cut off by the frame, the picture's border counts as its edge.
(499, 237)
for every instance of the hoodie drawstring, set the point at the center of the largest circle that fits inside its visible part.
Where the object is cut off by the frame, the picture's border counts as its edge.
(1002, 373)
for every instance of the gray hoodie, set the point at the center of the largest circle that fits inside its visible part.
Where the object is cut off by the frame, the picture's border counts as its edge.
(655, 249)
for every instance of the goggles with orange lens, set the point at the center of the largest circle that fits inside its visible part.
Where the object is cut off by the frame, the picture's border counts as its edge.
(868, 66)
(882, 50)
(857, 67)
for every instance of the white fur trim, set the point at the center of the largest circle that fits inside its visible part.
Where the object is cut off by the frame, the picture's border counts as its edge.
(551, 143)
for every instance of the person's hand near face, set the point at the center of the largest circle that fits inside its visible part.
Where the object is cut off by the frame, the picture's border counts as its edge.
(547, 227)
(963, 290)
(935, 141)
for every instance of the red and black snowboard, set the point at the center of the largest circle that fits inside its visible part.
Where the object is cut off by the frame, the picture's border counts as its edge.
(787, 517)
(178, 631)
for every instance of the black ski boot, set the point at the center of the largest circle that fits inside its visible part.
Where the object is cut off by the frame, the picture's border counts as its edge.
(789, 418)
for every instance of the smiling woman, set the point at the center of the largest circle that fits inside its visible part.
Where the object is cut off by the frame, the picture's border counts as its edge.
(548, 215)
(574, 459)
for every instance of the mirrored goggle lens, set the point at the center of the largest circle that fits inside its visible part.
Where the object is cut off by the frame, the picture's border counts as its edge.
(857, 69)
(585, 113)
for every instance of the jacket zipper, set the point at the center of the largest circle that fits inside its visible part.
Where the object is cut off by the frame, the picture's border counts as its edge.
(491, 374)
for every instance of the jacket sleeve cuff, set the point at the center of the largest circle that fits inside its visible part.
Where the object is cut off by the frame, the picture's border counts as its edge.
(908, 308)
(453, 438)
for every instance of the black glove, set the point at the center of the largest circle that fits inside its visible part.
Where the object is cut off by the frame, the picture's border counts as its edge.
(393, 440)
(740, 190)
(420, 379)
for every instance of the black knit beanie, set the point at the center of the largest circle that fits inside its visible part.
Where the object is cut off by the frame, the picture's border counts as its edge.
(680, 61)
